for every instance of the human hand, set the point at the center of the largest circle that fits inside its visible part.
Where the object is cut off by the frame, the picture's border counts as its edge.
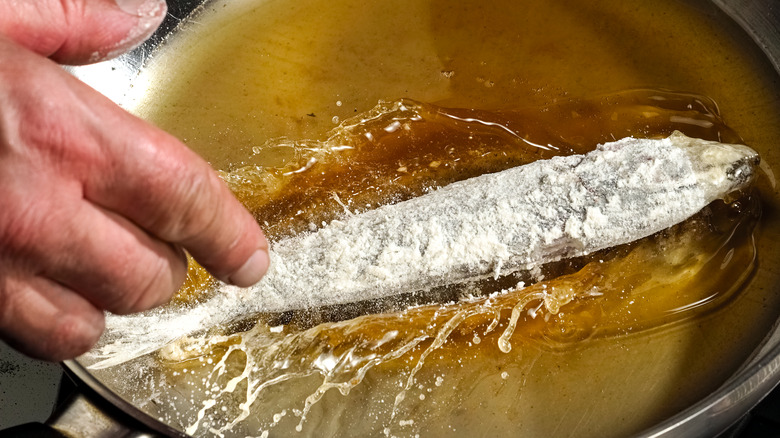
(96, 205)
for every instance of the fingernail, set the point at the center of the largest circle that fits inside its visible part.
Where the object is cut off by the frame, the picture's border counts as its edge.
(142, 8)
(252, 270)
(149, 13)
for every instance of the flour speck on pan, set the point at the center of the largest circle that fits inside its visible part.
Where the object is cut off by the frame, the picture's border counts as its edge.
(487, 226)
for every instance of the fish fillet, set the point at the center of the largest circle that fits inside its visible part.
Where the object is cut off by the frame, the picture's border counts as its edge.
(490, 225)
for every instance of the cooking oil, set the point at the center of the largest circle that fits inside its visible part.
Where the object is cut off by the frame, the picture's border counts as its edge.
(315, 110)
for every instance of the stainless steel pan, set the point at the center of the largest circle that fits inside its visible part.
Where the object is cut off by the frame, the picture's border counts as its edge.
(710, 416)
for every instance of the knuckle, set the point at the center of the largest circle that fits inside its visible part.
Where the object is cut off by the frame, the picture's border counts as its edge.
(72, 335)
(148, 290)
(18, 225)
(28, 327)
(34, 235)
(196, 211)
(49, 134)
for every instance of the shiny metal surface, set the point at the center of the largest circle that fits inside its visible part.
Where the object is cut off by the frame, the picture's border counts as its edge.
(80, 417)
(760, 19)
(85, 415)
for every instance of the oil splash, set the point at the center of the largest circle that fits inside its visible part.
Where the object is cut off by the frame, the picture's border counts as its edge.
(271, 373)
(663, 279)
(402, 149)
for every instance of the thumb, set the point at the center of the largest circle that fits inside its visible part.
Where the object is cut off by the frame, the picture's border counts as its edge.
(80, 31)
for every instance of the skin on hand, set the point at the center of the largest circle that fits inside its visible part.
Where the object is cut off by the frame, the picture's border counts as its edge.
(97, 205)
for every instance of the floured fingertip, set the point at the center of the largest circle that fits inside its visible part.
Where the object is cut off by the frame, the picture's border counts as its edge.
(149, 15)
(251, 271)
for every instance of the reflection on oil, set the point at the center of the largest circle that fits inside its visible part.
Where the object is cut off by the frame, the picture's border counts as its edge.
(403, 367)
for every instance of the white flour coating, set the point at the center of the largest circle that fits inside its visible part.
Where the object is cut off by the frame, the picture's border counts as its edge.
(490, 225)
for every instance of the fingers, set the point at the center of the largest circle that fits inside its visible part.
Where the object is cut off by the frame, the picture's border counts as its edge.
(108, 260)
(80, 31)
(45, 320)
(49, 231)
(96, 204)
(138, 172)
(152, 179)
(173, 194)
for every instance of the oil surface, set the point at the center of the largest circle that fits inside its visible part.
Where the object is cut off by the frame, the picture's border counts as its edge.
(285, 102)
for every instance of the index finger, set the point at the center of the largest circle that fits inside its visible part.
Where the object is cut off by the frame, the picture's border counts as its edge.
(154, 180)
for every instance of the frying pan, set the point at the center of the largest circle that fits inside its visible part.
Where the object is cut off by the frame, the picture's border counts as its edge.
(710, 416)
